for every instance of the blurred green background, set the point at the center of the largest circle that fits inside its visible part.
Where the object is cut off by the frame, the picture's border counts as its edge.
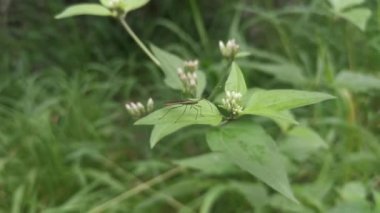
(68, 145)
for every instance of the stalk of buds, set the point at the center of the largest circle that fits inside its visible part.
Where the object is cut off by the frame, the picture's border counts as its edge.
(115, 6)
(232, 102)
(230, 49)
(137, 109)
(112, 4)
(188, 76)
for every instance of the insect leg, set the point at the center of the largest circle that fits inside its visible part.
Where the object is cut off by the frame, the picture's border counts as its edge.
(170, 109)
(181, 114)
(196, 111)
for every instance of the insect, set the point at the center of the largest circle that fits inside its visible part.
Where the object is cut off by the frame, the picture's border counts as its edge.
(189, 103)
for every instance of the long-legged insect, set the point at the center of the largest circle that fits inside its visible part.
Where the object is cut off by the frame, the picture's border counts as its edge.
(192, 103)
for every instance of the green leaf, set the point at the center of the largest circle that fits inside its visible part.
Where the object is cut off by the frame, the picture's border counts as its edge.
(235, 81)
(286, 121)
(280, 100)
(358, 17)
(357, 82)
(198, 112)
(253, 150)
(284, 72)
(161, 130)
(211, 163)
(281, 204)
(340, 5)
(353, 191)
(169, 65)
(84, 9)
(243, 54)
(130, 5)
(125, 5)
(277, 116)
(211, 197)
(301, 142)
(256, 194)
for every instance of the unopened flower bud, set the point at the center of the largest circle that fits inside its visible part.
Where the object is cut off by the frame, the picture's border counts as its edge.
(231, 102)
(230, 49)
(191, 66)
(141, 107)
(150, 105)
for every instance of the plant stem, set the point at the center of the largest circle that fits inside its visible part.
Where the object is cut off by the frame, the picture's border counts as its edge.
(220, 82)
(199, 24)
(136, 190)
(138, 41)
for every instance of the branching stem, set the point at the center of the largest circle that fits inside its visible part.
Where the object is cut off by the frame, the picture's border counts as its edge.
(138, 41)
(219, 85)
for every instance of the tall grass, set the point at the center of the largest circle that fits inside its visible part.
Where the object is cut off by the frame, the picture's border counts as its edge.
(67, 144)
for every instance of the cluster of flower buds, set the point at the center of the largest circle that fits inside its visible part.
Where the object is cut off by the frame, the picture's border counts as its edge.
(188, 76)
(137, 109)
(191, 66)
(230, 49)
(111, 3)
(232, 102)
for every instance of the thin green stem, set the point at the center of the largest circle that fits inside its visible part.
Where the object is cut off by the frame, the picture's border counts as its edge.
(138, 41)
(136, 190)
(219, 85)
(199, 22)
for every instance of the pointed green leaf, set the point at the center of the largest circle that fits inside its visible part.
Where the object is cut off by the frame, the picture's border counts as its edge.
(358, 17)
(235, 81)
(211, 163)
(211, 197)
(125, 5)
(280, 100)
(130, 5)
(253, 150)
(340, 5)
(170, 64)
(161, 130)
(84, 9)
(198, 112)
(277, 116)
(357, 82)
(286, 121)
(301, 142)
(256, 194)
(284, 71)
(353, 191)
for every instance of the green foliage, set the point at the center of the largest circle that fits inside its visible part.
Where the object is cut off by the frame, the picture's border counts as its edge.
(358, 16)
(357, 82)
(170, 64)
(273, 103)
(67, 143)
(126, 6)
(301, 142)
(211, 163)
(248, 146)
(196, 112)
(235, 81)
(84, 9)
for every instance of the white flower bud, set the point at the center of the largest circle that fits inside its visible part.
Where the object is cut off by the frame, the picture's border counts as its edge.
(191, 66)
(140, 107)
(230, 49)
(231, 102)
(129, 108)
(150, 105)
(180, 71)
